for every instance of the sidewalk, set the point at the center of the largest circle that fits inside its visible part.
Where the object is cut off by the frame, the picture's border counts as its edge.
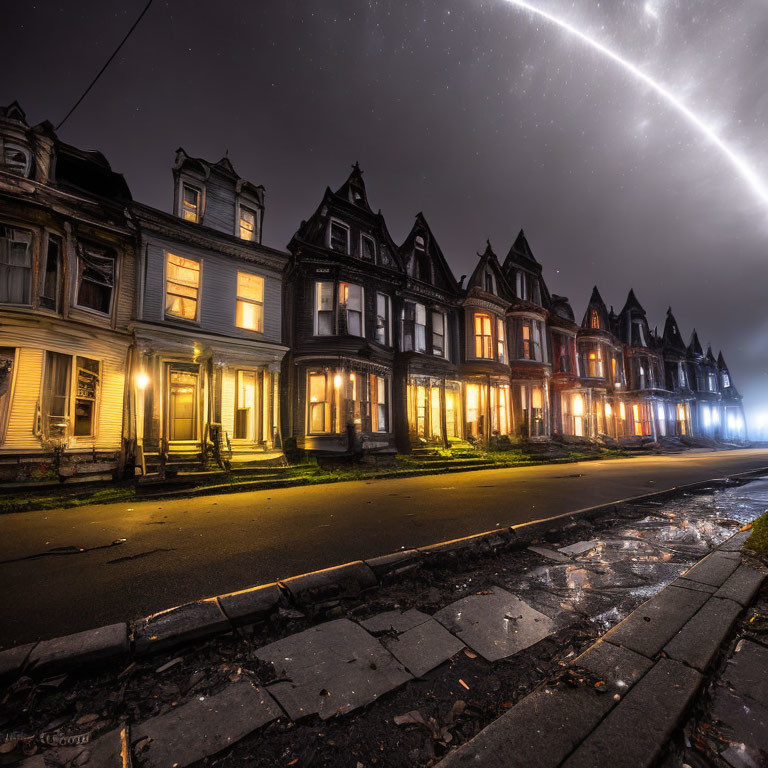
(483, 644)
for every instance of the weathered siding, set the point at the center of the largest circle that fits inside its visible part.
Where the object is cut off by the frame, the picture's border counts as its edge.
(218, 292)
(24, 398)
(219, 205)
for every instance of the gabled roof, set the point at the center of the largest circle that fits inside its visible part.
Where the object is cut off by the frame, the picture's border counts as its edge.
(520, 253)
(442, 275)
(223, 167)
(632, 304)
(14, 112)
(672, 339)
(597, 304)
(721, 363)
(694, 345)
(489, 260)
(710, 356)
(561, 307)
(353, 189)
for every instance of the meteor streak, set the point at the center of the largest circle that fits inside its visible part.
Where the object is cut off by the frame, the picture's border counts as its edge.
(739, 163)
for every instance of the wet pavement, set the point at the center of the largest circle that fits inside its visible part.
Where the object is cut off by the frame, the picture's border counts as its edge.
(615, 563)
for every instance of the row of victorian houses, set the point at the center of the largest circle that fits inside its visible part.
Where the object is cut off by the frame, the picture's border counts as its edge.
(129, 336)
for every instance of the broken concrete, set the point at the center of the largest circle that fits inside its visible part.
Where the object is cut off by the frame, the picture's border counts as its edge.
(579, 548)
(747, 672)
(395, 563)
(191, 621)
(649, 712)
(395, 621)
(699, 640)
(203, 726)
(551, 554)
(651, 626)
(496, 625)
(423, 647)
(331, 669)
(250, 605)
(90, 647)
(694, 585)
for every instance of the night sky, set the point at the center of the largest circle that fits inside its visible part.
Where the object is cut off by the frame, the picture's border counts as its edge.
(477, 113)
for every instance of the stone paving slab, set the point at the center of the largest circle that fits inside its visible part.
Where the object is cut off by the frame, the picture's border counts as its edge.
(746, 727)
(635, 732)
(714, 569)
(742, 585)
(92, 646)
(736, 542)
(542, 729)
(106, 751)
(651, 626)
(203, 726)
(688, 584)
(183, 623)
(496, 625)
(747, 671)
(250, 605)
(579, 548)
(551, 554)
(395, 621)
(12, 660)
(423, 647)
(697, 643)
(331, 669)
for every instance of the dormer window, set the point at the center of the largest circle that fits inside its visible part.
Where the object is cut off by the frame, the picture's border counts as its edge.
(638, 334)
(594, 319)
(16, 160)
(489, 282)
(521, 286)
(726, 381)
(247, 224)
(367, 248)
(190, 203)
(339, 237)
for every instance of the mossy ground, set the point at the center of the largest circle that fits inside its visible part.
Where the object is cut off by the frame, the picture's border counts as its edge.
(758, 540)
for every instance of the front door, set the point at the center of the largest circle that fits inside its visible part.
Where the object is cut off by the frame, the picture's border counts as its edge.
(246, 407)
(182, 403)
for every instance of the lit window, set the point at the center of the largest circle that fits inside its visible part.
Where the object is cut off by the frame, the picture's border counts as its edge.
(382, 319)
(15, 265)
(190, 203)
(483, 338)
(726, 381)
(351, 303)
(438, 334)
(250, 302)
(95, 278)
(712, 382)
(7, 362)
(594, 319)
(614, 368)
(339, 237)
(67, 406)
(578, 415)
(182, 287)
(247, 223)
(16, 160)
(86, 392)
(380, 406)
(595, 364)
(367, 248)
(501, 342)
(319, 411)
(622, 411)
(324, 325)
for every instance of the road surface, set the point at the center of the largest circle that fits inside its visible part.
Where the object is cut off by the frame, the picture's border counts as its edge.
(181, 550)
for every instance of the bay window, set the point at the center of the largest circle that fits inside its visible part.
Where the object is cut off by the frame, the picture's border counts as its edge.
(438, 334)
(501, 341)
(595, 363)
(182, 287)
(319, 403)
(379, 403)
(15, 265)
(483, 337)
(69, 395)
(413, 325)
(249, 312)
(351, 304)
(95, 278)
(324, 320)
(421, 328)
(383, 322)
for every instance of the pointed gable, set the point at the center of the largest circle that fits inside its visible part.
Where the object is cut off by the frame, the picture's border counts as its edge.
(520, 252)
(633, 325)
(694, 345)
(672, 339)
(596, 317)
(487, 276)
(353, 189)
(423, 259)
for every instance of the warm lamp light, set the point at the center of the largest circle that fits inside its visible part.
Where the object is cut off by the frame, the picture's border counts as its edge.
(142, 380)
(337, 381)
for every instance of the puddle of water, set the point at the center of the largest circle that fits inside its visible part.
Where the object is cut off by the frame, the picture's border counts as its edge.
(634, 559)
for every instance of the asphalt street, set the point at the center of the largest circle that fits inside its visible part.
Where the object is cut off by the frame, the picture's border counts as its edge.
(181, 550)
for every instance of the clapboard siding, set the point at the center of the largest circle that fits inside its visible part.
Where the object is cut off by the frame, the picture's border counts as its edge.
(219, 205)
(32, 342)
(218, 292)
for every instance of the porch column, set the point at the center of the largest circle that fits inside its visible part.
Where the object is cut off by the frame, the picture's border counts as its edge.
(443, 416)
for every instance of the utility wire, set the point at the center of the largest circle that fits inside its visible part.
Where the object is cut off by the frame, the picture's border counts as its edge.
(108, 62)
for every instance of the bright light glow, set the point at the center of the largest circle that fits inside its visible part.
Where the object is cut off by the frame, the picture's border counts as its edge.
(142, 380)
(705, 416)
(651, 11)
(337, 381)
(608, 411)
(739, 163)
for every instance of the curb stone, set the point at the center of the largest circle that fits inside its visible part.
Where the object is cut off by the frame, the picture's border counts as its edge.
(205, 618)
(93, 646)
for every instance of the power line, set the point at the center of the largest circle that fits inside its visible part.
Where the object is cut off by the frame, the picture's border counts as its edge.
(108, 62)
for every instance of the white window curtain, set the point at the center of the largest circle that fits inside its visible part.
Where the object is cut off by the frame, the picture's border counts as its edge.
(15, 265)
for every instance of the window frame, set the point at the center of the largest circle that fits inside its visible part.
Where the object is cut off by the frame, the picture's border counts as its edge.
(387, 319)
(199, 191)
(343, 284)
(30, 252)
(327, 403)
(376, 405)
(239, 222)
(199, 297)
(77, 282)
(50, 239)
(444, 320)
(316, 310)
(367, 238)
(501, 341)
(9, 145)
(337, 222)
(480, 338)
(246, 300)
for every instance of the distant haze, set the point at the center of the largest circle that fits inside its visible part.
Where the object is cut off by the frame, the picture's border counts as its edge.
(471, 111)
